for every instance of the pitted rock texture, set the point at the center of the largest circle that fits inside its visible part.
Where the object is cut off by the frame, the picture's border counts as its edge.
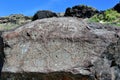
(43, 14)
(81, 11)
(64, 44)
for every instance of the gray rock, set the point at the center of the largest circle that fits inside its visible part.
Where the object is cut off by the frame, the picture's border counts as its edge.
(63, 44)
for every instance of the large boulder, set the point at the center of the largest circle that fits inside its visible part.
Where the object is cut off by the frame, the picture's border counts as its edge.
(43, 14)
(80, 11)
(77, 50)
(117, 7)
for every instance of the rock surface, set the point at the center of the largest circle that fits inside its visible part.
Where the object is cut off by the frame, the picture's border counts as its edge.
(64, 44)
(81, 11)
(117, 7)
(43, 14)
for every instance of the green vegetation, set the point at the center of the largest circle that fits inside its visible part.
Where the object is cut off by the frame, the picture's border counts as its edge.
(8, 26)
(12, 21)
(108, 17)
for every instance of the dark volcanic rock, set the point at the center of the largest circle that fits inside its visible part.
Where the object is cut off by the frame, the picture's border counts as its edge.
(117, 7)
(80, 11)
(43, 14)
(45, 76)
(68, 45)
(2, 55)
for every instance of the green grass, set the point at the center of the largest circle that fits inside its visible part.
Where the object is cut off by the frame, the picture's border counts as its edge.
(110, 16)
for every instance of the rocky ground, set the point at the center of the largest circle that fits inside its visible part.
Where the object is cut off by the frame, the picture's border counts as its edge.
(13, 21)
(110, 16)
(65, 48)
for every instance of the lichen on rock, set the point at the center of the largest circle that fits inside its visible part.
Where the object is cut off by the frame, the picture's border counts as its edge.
(63, 44)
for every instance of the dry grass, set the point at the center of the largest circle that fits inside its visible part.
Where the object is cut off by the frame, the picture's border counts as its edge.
(8, 26)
